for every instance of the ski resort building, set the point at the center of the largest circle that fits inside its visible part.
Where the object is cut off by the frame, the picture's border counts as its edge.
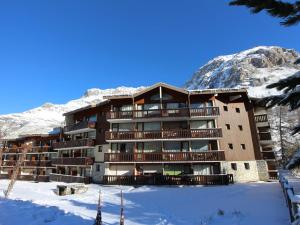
(165, 135)
(37, 162)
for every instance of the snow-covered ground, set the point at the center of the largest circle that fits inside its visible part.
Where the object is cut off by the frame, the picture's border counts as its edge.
(239, 204)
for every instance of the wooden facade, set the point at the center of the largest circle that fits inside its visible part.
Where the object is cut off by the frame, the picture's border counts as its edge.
(160, 135)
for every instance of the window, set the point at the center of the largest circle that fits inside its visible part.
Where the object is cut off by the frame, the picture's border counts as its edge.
(233, 166)
(230, 146)
(100, 148)
(225, 108)
(228, 126)
(97, 168)
(247, 166)
(237, 110)
(243, 146)
(240, 127)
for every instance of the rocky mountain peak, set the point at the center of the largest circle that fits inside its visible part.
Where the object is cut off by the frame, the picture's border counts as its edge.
(253, 68)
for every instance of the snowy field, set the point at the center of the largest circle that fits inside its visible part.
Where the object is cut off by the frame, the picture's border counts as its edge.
(240, 204)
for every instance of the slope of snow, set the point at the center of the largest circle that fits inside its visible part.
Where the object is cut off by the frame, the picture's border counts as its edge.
(43, 119)
(241, 204)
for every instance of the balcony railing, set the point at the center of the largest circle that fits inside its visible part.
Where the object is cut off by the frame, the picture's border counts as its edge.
(218, 179)
(265, 136)
(153, 113)
(168, 134)
(69, 179)
(35, 149)
(33, 163)
(268, 155)
(80, 125)
(74, 143)
(261, 118)
(165, 156)
(82, 161)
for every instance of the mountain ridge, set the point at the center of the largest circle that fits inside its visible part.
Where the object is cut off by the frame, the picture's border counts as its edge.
(252, 69)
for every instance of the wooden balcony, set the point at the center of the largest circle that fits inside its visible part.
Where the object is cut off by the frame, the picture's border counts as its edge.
(83, 125)
(261, 118)
(69, 179)
(165, 156)
(220, 179)
(81, 143)
(80, 161)
(35, 149)
(268, 155)
(161, 113)
(265, 136)
(27, 163)
(168, 134)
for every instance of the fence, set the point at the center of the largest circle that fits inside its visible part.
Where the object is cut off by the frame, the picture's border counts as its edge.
(292, 200)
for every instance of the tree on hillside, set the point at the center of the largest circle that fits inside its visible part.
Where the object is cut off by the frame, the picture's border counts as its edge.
(290, 86)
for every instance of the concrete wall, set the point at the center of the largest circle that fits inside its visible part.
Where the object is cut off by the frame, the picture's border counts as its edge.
(255, 173)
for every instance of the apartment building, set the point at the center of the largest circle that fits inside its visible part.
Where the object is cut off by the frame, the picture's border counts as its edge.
(265, 138)
(165, 135)
(37, 164)
(80, 150)
(165, 131)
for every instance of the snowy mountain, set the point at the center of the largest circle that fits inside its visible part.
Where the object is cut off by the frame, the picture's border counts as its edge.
(43, 119)
(252, 69)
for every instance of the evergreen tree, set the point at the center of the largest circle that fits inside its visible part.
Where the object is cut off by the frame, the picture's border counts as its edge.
(290, 86)
(288, 11)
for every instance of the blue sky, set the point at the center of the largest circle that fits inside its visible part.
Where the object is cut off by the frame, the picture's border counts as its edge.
(53, 50)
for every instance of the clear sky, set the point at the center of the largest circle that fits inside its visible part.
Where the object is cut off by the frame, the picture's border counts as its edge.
(53, 50)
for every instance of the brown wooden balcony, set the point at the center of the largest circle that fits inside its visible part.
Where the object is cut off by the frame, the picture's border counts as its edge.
(74, 143)
(157, 113)
(35, 149)
(80, 161)
(80, 126)
(69, 179)
(261, 118)
(218, 179)
(265, 136)
(268, 155)
(28, 163)
(168, 134)
(165, 156)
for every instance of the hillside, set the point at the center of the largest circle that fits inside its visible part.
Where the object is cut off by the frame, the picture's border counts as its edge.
(252, 69)
(43, 119)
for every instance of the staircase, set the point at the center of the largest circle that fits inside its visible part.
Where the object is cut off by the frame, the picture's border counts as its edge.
(17, 168)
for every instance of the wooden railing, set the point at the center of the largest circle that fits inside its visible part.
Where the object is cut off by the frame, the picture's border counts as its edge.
(74, 143)
(80, 125)
(268, 155)
(84, 161)
(265, 136)
(32, 163)
(219, 179)
(165, 156)
(37, 149)
(292, 199)
(261, 118)
(168, 134)
(153, 113)
(69, 179)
